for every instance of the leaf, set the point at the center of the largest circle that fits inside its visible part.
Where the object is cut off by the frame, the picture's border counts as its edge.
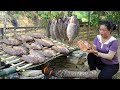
(83, 15)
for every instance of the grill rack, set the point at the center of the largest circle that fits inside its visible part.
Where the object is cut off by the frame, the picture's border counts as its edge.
(19, 65)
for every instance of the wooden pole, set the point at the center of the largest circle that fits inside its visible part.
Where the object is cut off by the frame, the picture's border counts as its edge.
(88, 25)
(118, 23)
(4, 29)
(98, 21)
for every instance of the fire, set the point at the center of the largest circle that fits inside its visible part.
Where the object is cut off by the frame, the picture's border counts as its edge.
(46, 68)
(47, 71)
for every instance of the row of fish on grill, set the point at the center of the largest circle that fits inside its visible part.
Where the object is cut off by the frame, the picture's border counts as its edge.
(63, 29)
(32, 47)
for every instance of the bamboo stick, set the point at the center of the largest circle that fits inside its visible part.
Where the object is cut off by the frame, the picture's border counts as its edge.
(4, 59)
(13, 61)
(20, 68)
(5, 55)
(2, 52)
(14, 65)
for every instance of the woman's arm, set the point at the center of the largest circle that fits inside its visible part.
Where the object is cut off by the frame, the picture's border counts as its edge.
(108, 56)
(112, 51)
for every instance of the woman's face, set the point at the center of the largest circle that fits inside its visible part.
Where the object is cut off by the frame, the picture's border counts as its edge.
(104, 32)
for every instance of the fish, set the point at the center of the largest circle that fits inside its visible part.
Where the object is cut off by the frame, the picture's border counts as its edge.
(61, 29)
(36, 45)
(24, 37)
(16, 50)
(56, 30)
(11, 41)
(44, 42)
(60, 49)
(34, 57)
(49, 53)
(72, 28)
(72, 32)
(36, 35)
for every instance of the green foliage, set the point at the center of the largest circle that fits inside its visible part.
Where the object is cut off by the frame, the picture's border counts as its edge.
(44, 14)
(94, 20)
(112, 15)
(43, 23)
(29, 14)
(82, 15)
(50, 14)
(16, 14)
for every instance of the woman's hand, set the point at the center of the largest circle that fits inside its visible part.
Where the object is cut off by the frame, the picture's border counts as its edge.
(93, 50)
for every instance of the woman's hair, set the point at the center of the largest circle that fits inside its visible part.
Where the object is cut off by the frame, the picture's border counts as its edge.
(108, 24)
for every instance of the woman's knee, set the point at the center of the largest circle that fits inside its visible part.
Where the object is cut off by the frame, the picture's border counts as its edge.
(104, 76)
(91, 56)
(108, 71)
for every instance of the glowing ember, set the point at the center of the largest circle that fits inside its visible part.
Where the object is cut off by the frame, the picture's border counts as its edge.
(46, 69)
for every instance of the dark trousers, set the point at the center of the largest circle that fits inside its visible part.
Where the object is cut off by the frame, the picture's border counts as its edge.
(107, 71)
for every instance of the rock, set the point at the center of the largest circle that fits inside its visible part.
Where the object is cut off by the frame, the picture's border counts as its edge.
(81, 61)
(77, 74)
(13, 76)
(34, 77)
(79, 54)
(86, 63)
(73, 60)
(117, 75)
(82, 68)
(76, 60)
(31, 73)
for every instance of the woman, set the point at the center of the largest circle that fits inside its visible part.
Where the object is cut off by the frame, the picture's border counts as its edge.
(104, 55)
